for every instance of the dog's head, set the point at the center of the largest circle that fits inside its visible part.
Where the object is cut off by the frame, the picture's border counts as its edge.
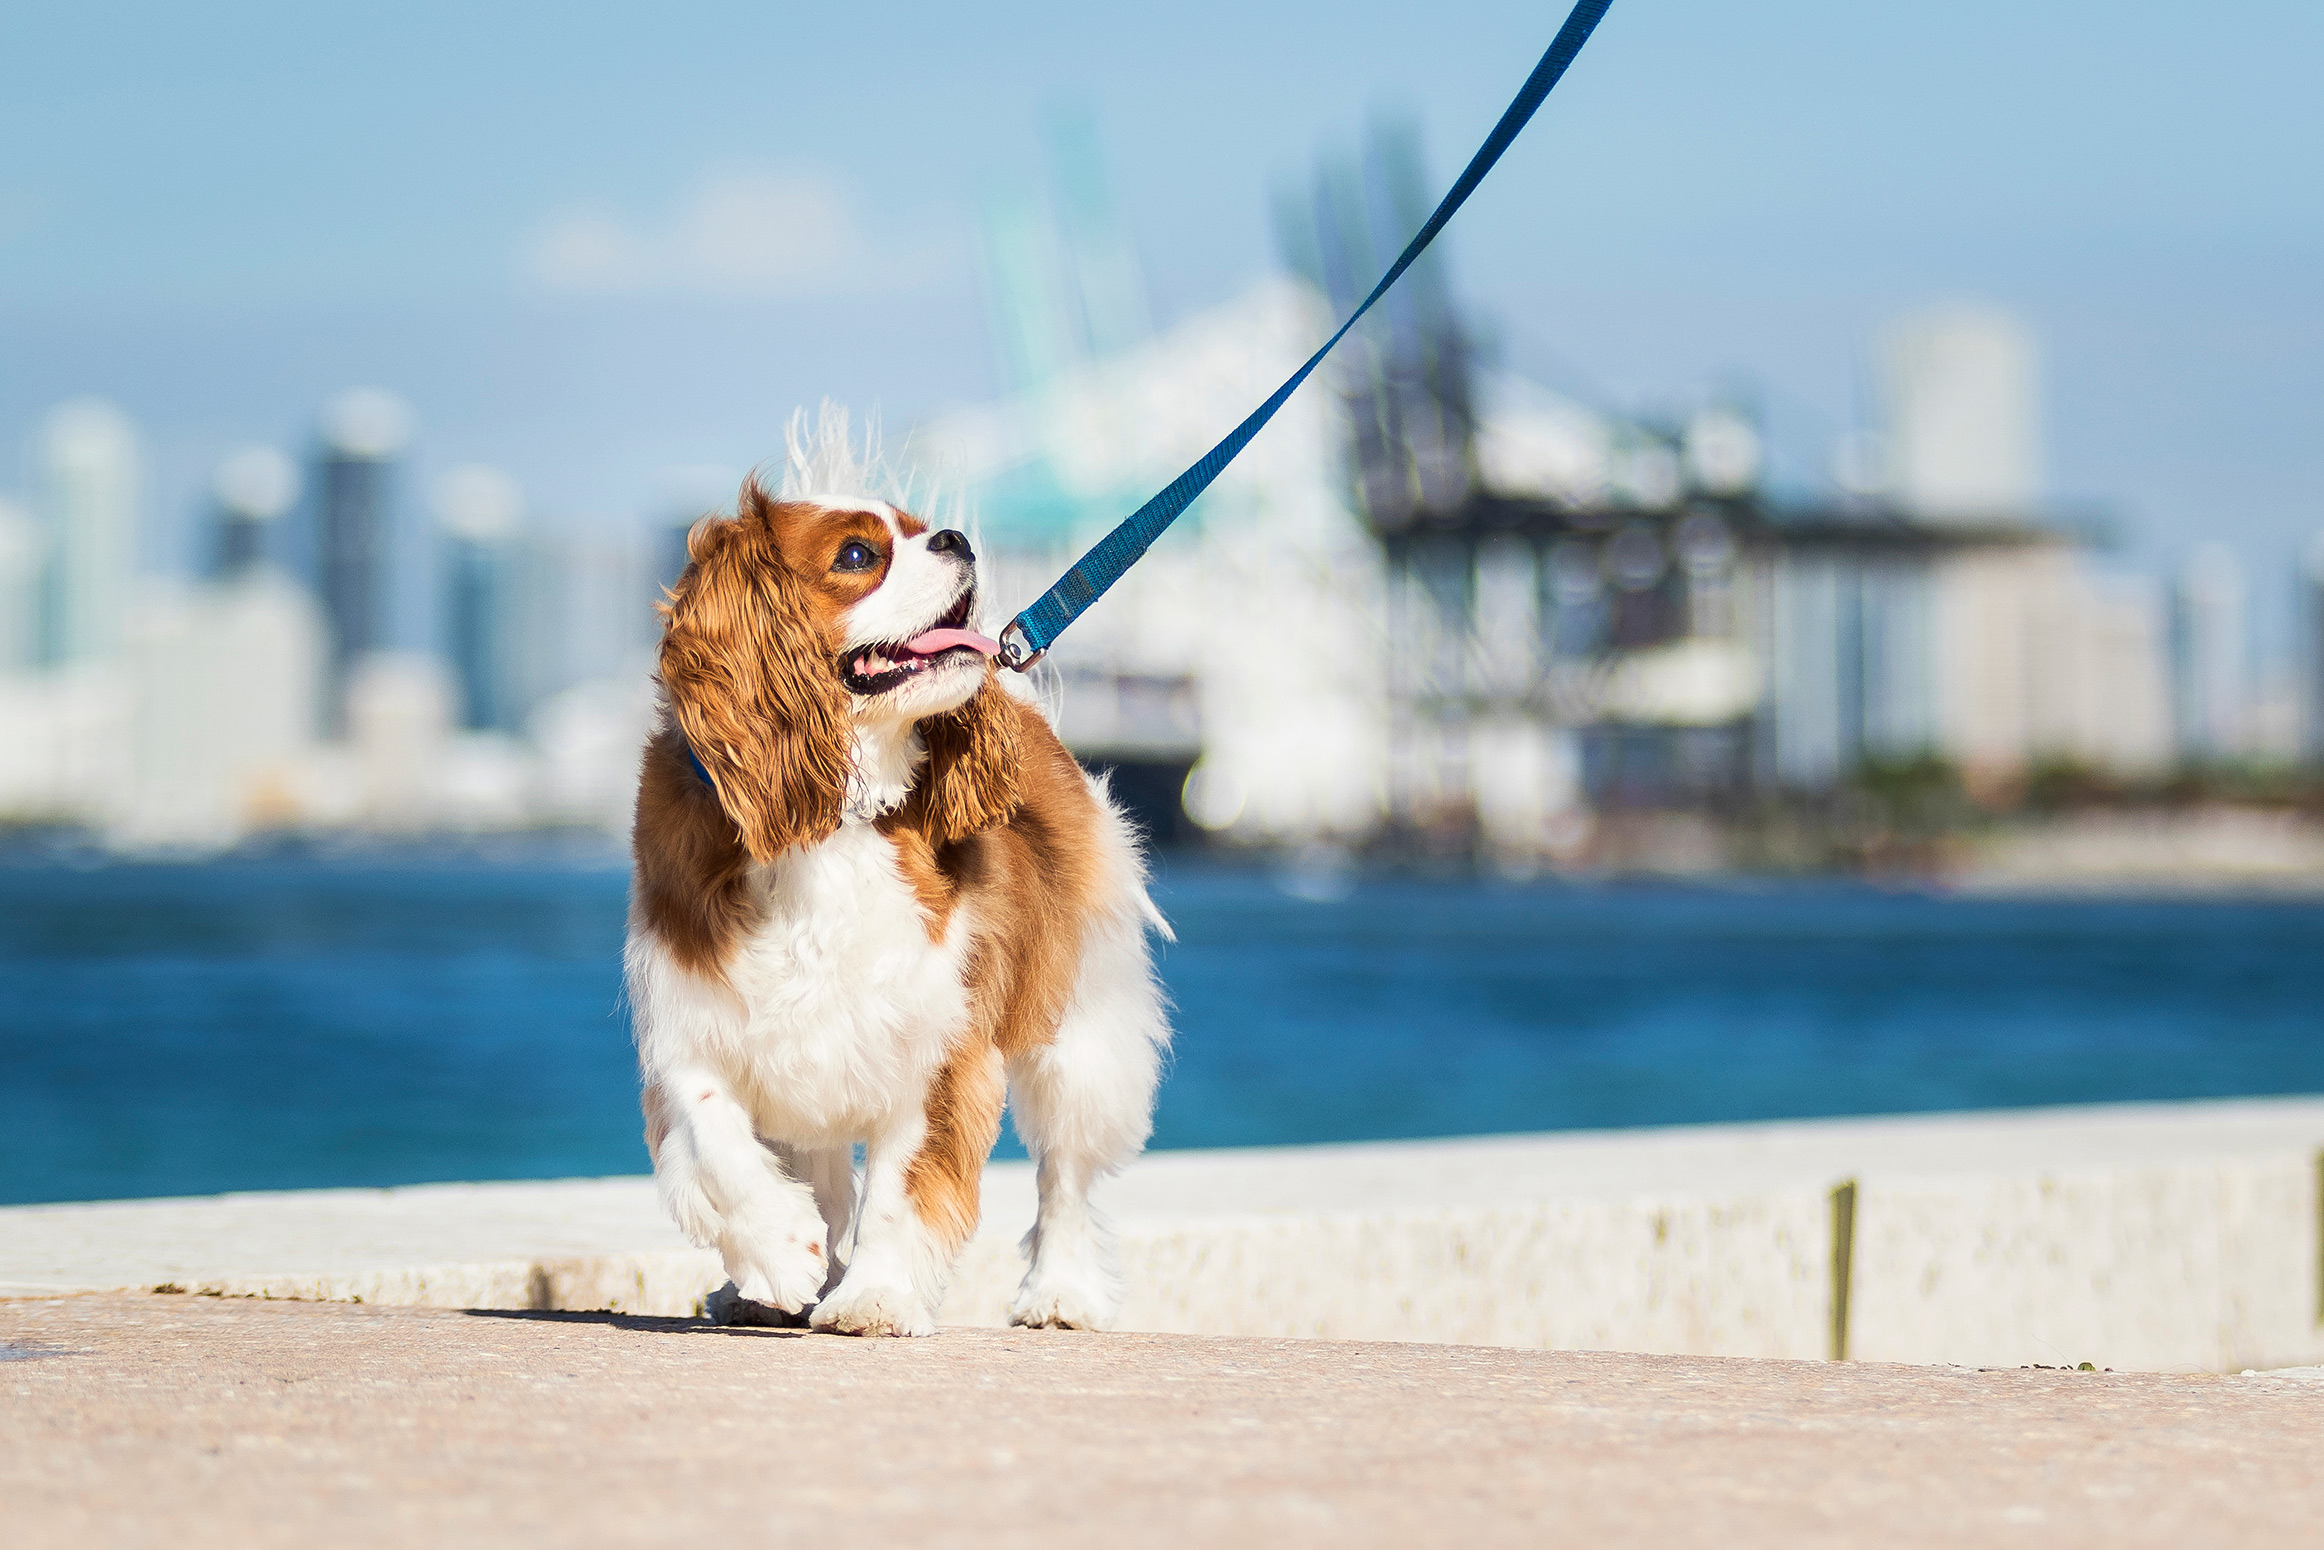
(799, 621)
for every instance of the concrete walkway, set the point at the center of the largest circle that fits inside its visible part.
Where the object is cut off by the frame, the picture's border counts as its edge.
(194, 1421)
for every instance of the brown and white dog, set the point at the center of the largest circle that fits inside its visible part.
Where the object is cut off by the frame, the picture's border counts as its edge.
(871, 887)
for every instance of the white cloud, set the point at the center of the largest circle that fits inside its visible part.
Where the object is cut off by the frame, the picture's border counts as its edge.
(732, 234)
(587, 251)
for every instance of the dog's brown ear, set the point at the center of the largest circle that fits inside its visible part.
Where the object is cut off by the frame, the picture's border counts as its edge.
(971, 779)
(751, 682)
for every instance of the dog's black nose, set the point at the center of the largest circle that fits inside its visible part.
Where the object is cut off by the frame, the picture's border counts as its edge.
(952, 541)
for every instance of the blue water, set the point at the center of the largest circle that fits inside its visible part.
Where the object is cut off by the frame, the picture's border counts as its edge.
(296, 1022)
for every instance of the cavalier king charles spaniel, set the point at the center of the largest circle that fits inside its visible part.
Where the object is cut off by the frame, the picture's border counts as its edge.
(873, 891)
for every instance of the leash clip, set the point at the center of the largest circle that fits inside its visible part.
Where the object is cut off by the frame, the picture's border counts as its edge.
(1017, 655)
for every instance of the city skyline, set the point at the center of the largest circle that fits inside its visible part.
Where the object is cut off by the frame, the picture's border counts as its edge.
(358, 462)
(376, 655)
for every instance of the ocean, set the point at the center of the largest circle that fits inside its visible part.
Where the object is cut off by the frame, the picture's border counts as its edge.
(297, 1021)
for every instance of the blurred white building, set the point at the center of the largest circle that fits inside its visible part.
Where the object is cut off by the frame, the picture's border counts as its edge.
(90, 475)
(401, 715)
(2208, 640)
(586, 741)
(21, 551)
(65, 702)
(582, 610)
(2312, 629)
(2037, 659)
(481, 511)
(224, 685)
(1249, 637)
(1961, 400)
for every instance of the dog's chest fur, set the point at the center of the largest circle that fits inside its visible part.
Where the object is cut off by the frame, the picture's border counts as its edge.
(850, 1006)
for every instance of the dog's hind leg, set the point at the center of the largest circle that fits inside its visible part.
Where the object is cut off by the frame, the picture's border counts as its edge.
(1084, 1103)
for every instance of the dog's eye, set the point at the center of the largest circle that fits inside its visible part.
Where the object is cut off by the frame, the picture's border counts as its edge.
(855, 554)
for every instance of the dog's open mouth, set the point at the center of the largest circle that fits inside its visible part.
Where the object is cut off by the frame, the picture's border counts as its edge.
(878, 668)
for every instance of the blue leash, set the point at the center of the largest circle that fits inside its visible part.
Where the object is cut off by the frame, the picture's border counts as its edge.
(1040, 624)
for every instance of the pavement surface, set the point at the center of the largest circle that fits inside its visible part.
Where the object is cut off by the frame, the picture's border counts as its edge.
(196, 1421)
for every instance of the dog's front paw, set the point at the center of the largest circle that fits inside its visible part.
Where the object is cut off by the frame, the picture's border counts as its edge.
(1079, 1294)
(868, 1307)
(777, 1257)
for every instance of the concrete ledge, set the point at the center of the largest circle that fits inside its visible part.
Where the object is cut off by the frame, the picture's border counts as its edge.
(2175, 1237)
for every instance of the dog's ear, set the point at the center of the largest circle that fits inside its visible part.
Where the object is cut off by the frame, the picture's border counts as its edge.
(971, 779)
(750, 679)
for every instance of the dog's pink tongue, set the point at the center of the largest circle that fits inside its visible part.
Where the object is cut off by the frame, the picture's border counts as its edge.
(933, 641)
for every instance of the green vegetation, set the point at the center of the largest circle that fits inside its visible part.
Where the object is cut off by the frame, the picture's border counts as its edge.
(2059, 785)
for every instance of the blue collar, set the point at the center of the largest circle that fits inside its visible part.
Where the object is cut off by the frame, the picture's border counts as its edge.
(701, 771)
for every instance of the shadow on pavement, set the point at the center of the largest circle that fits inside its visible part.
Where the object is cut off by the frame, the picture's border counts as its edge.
(645, 1323)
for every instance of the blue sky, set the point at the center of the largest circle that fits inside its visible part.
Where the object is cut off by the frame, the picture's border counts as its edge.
(219, 215)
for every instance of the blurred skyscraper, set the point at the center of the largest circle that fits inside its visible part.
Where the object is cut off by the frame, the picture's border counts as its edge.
(670, 557)
(253, 489)
(89, 473)
(361, 557)
(690, 492)
(1407, 377)
(1108, 286)
(20, 554)
(481, 510)
(583, 612)
(1960, 395)
(2312, 627)
(223, 684)
(1062, 282)
(2207, 655)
